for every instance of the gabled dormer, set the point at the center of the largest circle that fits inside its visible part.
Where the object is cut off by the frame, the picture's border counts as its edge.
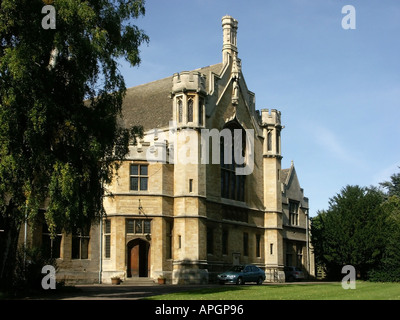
(293, 197)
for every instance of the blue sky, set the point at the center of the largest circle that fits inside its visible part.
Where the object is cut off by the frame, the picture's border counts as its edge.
(338, 90)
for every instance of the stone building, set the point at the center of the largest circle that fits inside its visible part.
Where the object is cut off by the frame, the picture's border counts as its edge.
(187, 203)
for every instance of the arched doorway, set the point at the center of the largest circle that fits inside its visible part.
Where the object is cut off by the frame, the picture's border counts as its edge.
(138, 258)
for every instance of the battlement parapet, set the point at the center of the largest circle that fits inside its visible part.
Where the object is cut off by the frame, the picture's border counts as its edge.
(188, 81)
(270, 117)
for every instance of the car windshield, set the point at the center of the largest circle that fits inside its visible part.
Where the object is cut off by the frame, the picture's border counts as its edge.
(236, 269)
(297, 269)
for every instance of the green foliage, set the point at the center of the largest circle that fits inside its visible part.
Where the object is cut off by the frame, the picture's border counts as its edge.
(389, 267)
(28, 271)
(60, 106)
(393, 186)
(361, 228)
(352, 231)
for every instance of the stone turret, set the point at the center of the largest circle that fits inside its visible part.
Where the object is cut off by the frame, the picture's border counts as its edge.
(229, 48)
(188, 81)
(271, 124)
(272, 117)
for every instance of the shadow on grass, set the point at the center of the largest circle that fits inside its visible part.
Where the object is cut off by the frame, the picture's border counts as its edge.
(29, 293)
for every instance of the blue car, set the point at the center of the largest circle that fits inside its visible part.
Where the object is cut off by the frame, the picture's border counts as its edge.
(242, 274)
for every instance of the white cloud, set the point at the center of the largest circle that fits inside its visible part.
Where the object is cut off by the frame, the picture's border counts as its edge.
(332, 144)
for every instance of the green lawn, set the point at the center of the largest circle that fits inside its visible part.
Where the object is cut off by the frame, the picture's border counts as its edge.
(315, 291)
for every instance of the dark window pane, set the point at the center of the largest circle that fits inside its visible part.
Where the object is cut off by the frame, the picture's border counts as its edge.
(258, 245)
(232, 186)
(180, 110)
(107, 246)
(84, 248)
(201, 103)
(134, 170)
(56, 247)
(277, 143)
(143, 170)
(75, 247)
(227, 184)
(147, 228)
(108, 226)
(190, 185)
(288, 259)
(45, 228)
(243, 178)
(235, 214)
(221, 153)
(190, 110)
(222, 184)
(269, 141)
(143, 183)
(46, 246)
(134, 183)
(233, 163)
(138, 226)
(130, 226)
(245, 244)
(169, 241)
(225, 242)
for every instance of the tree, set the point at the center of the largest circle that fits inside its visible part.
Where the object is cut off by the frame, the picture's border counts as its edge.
(60, 104)
(389, 267)
(392, 186)
(352, 231)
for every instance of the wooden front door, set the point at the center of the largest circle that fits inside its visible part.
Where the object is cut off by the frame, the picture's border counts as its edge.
(138, 258)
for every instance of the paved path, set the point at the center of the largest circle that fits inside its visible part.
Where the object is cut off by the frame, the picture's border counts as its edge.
(115, 292)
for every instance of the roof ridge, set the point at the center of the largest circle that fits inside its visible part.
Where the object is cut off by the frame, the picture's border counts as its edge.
(148, 83)
(151, 82)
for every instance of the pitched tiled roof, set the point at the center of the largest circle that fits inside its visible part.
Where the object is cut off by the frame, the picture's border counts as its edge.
(284, 175)
(150, 104)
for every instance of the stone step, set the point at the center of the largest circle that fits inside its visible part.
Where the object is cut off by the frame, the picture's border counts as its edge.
(138, 281)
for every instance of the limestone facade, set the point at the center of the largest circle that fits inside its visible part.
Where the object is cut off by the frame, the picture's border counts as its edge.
(175, 212)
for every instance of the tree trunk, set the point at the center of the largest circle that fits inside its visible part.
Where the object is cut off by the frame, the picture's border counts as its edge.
(10, 224)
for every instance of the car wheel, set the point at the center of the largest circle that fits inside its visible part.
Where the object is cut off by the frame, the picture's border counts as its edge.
(260, 281)
(240, 281)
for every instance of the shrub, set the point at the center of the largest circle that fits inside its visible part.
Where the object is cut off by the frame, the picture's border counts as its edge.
(28, 272)
(385, 275)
